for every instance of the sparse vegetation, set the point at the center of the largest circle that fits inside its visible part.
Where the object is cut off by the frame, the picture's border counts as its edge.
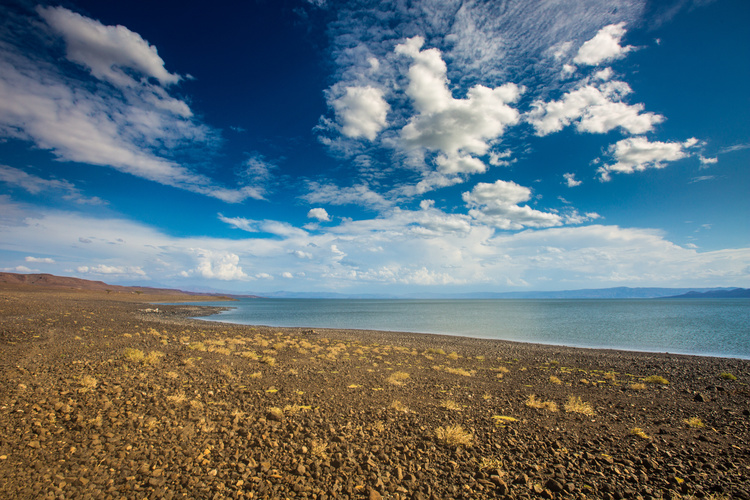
(694, 422)
(449, 404)
(637, 431)
(555, 380)
(728, 376)
(533, 402)
(134, 355)
(397, 378)
(576, 405)
(454, 435)
(656, 379)
(399, 406)
(637, 386)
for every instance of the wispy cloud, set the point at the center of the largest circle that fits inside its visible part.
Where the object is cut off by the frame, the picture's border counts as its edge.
(107, 112)
(37, 185)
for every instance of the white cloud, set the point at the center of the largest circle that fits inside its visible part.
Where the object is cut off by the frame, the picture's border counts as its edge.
(40, 260)
(458, 129)
(637, 154)
(132, 126)
(497, 204)
(397, 248)
(105, 270)
(219, 265)
(595, 109)
(287, 275)
(319, 214)
(604, 47)
(108, 51)
(277, 228)
(331, 194)
(570, 180)
(705, 162)
(36, 185)
(362, 112)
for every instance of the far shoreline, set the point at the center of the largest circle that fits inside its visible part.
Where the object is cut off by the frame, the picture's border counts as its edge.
(209, 312)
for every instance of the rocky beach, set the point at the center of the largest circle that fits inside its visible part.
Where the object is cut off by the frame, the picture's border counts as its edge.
(107, 394)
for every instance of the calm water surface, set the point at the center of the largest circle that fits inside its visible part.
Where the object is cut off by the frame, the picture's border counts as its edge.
(711, 327)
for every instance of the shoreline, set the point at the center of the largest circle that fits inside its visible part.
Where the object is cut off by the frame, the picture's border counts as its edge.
(105, 397)
(216, 310)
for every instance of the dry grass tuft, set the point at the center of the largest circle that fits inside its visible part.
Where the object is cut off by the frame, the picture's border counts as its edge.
(449, 404)
(728, 376)
(177, 398)
(454, 435)
(397, 378)
(399, 406)
(533, 402)
(637, 431)
(490, 463)
(197, 346)
(433, 350)
(611, 376)
(453, 355)
(318, 449)
(153, 357)
(134, 355)
(87, 383)
(694, 422)
(637, 386)
(268, 360)
(576, 405)
(555, 380)
(656, 379)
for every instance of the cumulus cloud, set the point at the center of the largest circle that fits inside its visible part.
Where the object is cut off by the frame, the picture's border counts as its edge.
(637, 154)
(361, 111)
(497, 204)
(570, 180)
(595, 108)
(319, 214)
(458, 129)
(40, 260)
(604, 47)
(219, 265)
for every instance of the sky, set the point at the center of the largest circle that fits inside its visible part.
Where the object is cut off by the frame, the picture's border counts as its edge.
(377, 147)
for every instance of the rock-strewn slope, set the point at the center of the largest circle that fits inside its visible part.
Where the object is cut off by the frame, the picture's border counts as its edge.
(112, 399)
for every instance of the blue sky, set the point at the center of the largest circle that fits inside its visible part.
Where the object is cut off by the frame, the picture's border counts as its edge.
(376, 146)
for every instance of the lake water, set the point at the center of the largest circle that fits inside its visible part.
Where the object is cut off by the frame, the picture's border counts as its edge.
(708, 327)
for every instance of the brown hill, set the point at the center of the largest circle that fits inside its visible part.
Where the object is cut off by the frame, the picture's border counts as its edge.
(69, 283)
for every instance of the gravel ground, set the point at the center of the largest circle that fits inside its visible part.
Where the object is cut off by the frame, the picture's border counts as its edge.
(104, 396)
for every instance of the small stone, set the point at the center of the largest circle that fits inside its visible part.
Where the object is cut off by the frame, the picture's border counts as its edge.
(374, 495)
(34, 444)
(700, 398)
(553, 486)
(213, 472)
(301, 470)
(3, 457)
(500, 485)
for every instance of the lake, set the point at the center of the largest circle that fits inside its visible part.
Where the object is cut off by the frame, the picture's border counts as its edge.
(707, 327)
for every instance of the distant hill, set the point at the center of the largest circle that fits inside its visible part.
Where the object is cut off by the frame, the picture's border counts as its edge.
(737, 293)
(68, 283)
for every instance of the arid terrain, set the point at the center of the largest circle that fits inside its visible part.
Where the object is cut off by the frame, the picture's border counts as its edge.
(104, 394)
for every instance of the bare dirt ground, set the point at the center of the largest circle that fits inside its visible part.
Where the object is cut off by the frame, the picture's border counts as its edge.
(103, 396)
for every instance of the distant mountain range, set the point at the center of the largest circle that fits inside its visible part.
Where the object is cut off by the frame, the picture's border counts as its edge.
(737, 293)
(51, 281)
(592, 293)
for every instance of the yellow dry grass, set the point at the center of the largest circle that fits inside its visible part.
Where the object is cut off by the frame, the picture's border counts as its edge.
(454, 435)
(576, 405)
